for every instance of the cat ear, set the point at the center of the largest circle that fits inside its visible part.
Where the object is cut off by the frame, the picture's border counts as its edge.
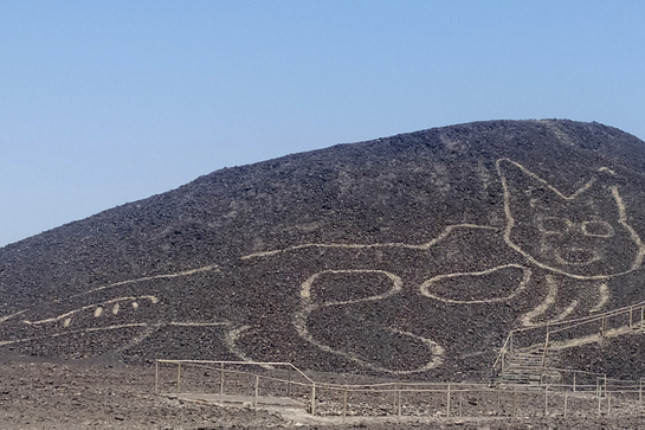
(523, 187)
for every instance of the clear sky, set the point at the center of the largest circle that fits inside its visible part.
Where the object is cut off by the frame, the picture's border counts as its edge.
(106, 102)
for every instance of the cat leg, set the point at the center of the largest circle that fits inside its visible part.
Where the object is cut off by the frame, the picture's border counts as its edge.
(548, 311)
(603, 298)
(567, 299)
(353, 324)
(471, 312)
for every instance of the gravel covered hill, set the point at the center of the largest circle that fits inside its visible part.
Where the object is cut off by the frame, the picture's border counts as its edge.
(411, 255)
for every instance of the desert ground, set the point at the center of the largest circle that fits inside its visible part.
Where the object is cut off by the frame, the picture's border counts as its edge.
(38, 394)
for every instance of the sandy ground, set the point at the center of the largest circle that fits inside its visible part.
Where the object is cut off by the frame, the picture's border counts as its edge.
(49, 395)
(46, 395)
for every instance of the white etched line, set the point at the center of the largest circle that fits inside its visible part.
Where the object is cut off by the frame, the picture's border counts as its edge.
(565, 313)
(72, 332)
(603, 291)
(423, 246)
(199, 324)
(549, 300)
(397, 284)
(95, 306)
(232, 337)
(190, 272)
(510, 221)
(8, 317)
(425, 287)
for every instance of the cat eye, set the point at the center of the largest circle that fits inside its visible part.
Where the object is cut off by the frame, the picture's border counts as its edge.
(597, 229)
(554, 224)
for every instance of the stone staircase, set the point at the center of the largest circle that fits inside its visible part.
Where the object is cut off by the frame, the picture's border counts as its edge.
(528, 367)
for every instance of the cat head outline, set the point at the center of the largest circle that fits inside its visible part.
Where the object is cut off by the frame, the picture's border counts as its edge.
(583, 235)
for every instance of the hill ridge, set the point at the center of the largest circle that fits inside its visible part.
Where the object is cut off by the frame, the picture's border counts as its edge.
(414, 254)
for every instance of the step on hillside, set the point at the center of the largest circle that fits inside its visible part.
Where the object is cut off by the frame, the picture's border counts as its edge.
(526, 368)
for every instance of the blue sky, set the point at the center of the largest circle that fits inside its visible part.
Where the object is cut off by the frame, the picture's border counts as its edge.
(106, 102)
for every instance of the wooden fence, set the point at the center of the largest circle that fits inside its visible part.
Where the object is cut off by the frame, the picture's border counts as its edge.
(257, 381)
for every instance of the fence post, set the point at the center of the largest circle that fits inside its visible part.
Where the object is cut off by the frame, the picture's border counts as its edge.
(631, 317)
(257, 389)
(345, 403)
(574, 381)
(566, 404)
(605, 384)
(599, 393)
(398, 400)
(313, 399)
(608, 393)
(156, 377)
(289, 385)
(503, 361)
(461, 401)
(221, 379)
(642, 318)
(546, 345)
(514, 402)
(179, 377)
(448, 396)
(603, 326)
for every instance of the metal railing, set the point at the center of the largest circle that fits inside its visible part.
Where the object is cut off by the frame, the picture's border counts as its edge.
(255, 381)
(248, 380)
(559, 335)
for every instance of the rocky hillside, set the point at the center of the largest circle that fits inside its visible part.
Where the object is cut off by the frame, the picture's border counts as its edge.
(410, 256)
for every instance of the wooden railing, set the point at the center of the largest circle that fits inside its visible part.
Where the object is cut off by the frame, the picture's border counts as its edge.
(255, 380)
(564, 334)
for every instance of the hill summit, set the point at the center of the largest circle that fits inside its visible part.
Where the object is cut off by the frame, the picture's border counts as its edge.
(412, 255)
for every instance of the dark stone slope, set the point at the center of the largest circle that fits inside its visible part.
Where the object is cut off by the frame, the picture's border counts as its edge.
(412, 255)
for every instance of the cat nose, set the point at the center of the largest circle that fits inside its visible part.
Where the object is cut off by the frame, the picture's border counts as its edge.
(578, 256)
